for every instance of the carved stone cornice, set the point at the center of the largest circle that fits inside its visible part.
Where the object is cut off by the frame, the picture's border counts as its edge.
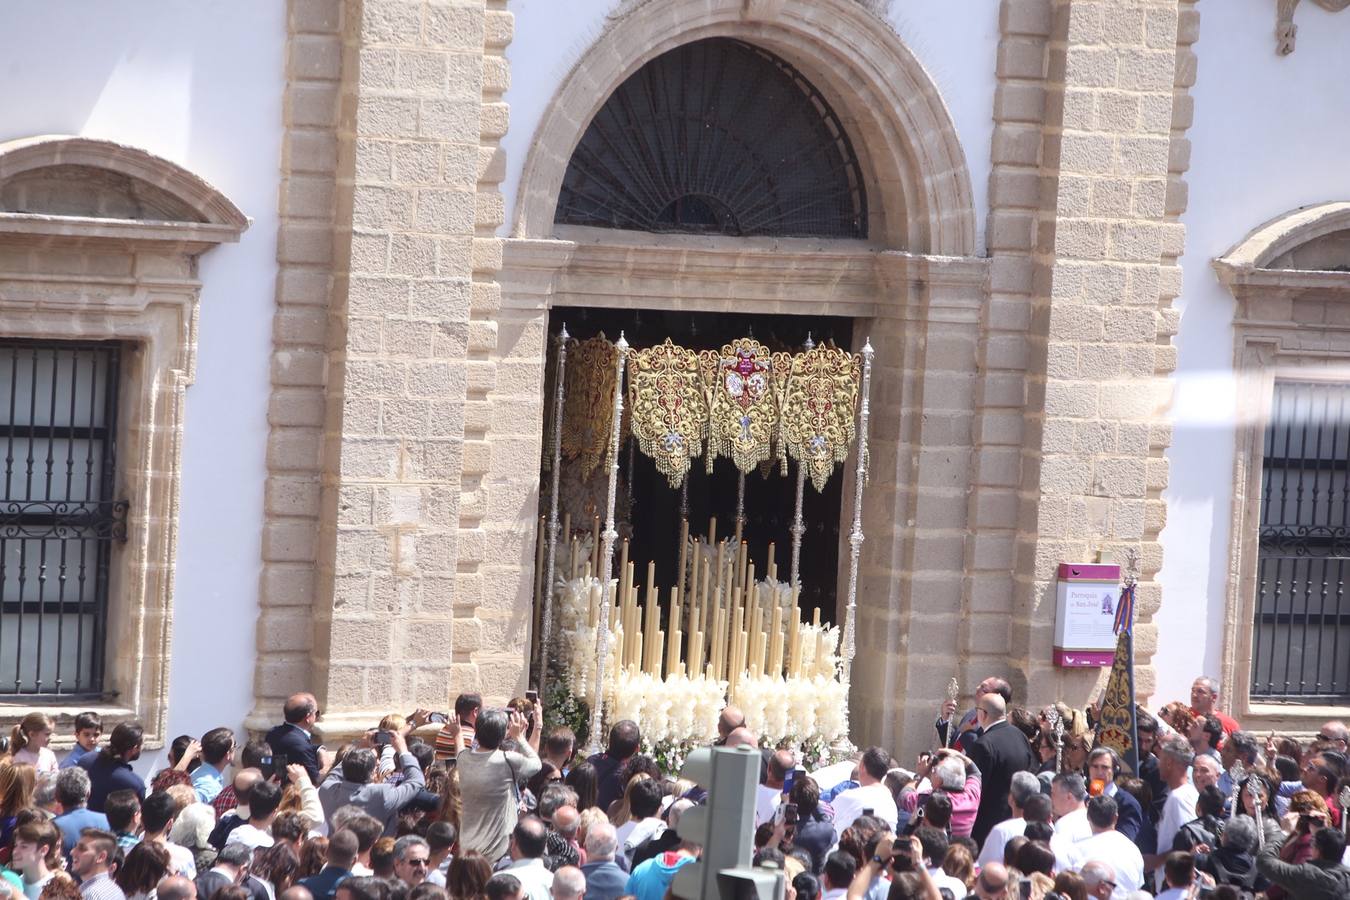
(1285, 29)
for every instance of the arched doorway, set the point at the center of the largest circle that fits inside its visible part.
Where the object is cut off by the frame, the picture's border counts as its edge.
(899, 191)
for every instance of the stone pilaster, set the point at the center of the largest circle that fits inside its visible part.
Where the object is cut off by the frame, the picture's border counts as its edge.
(1003, 356)
(295, 412)
(408, 339)
(1100, 316)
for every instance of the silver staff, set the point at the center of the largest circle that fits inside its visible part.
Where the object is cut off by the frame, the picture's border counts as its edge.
(1057, 730)
(1254, 788)
(1343, 798)
(546, 625)
(953, 691)
(855, 537)
(1236, 772)
(606, 572)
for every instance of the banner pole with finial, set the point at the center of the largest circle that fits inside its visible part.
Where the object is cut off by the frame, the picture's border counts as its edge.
(609, 536)
(798, 526)
(855, 537)
(546, 622)
(953, 691)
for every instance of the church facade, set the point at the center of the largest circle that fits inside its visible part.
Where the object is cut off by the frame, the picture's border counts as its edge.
(287, 281)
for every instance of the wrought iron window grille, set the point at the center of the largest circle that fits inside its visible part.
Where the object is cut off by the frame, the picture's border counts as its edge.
(59, 518)
(1301, 632)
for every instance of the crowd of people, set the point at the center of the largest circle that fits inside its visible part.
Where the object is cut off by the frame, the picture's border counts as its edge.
(481, 804)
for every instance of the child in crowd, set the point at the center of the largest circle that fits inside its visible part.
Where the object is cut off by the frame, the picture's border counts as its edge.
(88, 730)
(28, 742)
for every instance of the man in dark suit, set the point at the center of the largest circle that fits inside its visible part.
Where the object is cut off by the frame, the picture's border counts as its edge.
(294, 739)
(342, 852)
(1104, 765)
(967, 729)
(1000, 751)
(230, 869)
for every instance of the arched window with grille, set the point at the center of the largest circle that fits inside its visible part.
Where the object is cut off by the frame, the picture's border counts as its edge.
(717, 136)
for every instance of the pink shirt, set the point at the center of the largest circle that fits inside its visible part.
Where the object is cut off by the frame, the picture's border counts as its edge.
(965, 804)
(43, 760)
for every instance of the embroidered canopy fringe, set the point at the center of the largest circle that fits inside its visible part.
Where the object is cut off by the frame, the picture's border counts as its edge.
(744, 386)
(668, 407)
(818, 420)
(588, 410)
(742, 402)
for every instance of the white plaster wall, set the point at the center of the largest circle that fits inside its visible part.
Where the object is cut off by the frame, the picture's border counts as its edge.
(957, 42)
(1270, 134)
(198, 82)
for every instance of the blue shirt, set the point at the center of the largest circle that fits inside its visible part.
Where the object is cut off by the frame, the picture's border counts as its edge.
(75, 821)
(108, 775)
(650, 880)
(76, 754)
(208, 782)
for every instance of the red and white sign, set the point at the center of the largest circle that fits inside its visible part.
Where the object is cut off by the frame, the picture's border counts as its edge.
(1085, 614)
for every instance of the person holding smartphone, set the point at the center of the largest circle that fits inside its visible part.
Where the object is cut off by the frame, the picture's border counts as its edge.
(902, 859)
(769, 794)
(354, 781)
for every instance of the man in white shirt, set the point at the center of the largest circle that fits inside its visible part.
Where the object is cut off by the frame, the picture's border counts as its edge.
(1068, 792)
(1178, 873)
(871, 793)
(262, 809)
(157, 818)
(1025, 785)
(1110, 846)
(770, 794)
(528, 840)
(644, 800)
(934, 843)
(1174, 758)
(840, 867)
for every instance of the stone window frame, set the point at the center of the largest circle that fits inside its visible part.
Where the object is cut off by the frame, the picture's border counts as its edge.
(1274, 341)
(92, 277)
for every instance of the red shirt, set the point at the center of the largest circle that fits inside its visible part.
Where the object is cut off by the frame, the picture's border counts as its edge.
(1230, 725)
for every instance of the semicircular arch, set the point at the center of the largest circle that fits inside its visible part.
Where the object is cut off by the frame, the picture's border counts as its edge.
(198, 200)
(918, 184)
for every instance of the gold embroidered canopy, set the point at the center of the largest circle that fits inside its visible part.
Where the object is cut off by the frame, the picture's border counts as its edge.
(744, 382)
(817, 423)
(743, 402)
(668, 406)
(588, 409)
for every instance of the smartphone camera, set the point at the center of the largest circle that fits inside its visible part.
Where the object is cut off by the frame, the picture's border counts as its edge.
(382, 739)
(532, 696)
(902, 860)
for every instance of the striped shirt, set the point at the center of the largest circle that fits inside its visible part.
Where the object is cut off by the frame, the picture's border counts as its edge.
(101, 887)
(445, 740)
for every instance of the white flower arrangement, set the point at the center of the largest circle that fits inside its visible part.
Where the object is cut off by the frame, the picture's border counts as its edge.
(672, 709)
(574, 647)
(679, 711)
(801, 710)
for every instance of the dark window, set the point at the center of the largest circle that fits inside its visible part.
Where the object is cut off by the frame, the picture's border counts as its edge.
(721, 137)
(58, 518)
(1301, 644)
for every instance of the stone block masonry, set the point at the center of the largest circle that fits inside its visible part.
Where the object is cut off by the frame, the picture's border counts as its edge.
(384, 359)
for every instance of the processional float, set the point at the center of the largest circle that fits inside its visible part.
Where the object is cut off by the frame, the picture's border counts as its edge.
(758, 409)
